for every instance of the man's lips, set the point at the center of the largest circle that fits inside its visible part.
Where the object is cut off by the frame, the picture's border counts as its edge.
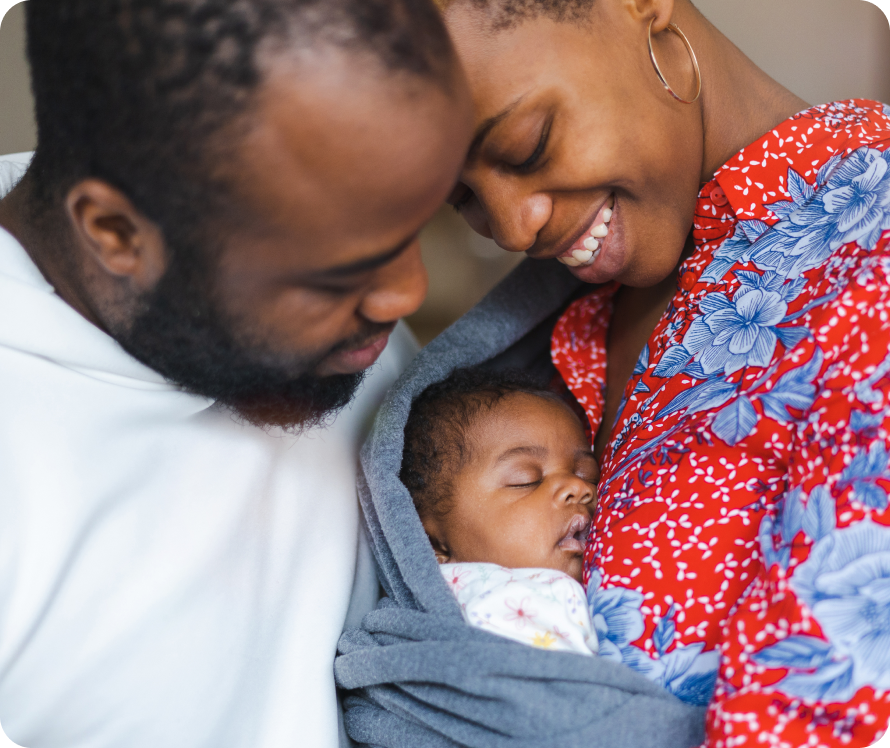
(358, 359)
(575, 537)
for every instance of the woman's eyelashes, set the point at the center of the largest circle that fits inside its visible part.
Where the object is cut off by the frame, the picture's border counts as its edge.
(462, 194)
(532, 161)
(462, 200)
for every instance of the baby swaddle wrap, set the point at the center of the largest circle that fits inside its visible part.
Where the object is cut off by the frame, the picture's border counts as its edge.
(416, 674)
(539, 607)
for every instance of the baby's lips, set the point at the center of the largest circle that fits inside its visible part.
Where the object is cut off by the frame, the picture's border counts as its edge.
(575, 538)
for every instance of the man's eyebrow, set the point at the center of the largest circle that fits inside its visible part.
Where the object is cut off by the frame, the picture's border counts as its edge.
(489, 124)
(361, 266)
(531, 451)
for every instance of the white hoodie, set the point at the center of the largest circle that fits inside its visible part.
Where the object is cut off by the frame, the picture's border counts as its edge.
(169, 578)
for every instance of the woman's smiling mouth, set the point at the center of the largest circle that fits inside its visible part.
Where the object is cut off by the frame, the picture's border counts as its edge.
(587, 248)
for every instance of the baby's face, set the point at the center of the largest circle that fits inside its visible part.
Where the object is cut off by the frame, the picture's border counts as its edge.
(526, 496)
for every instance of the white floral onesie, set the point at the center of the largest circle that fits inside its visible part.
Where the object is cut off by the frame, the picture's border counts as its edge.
(540, 607)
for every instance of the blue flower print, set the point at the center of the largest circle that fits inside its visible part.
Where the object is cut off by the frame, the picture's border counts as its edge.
(846, 584)
(853, 206)
(618, 621)
(795, 511)
(776, 533)
(737, 333)
(863, 474)
(869, 391)
(689, 673)
(850, 202)
(735, 249)
(860, 207)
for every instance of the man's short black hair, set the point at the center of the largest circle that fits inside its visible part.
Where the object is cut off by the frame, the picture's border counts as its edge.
(136, 92)
(436, 444)
(505, 14)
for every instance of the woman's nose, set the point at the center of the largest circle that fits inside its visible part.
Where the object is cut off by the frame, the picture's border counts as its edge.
(515, 221)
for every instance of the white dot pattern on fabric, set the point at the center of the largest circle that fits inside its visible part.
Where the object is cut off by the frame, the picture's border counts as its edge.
(743, 527)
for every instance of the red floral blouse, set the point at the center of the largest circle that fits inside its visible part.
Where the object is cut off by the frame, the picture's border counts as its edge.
(740, 554)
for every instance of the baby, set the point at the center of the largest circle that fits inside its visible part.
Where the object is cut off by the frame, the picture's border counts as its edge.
(503, 479)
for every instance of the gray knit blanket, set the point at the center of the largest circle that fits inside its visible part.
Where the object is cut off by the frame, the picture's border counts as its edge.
(415, 674)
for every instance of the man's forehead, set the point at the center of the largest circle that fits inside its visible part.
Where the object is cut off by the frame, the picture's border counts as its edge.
(316, 101)
(338, 145)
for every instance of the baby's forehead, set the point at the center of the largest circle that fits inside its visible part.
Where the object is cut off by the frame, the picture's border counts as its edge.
(506, 418)
(530, 404)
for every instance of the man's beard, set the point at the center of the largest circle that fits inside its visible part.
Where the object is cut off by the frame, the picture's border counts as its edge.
(180, 332)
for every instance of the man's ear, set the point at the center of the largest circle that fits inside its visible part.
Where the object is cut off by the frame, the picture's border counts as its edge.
(121, 240)
(440, 547)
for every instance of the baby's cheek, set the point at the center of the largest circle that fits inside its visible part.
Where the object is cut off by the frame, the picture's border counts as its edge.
(513, 541)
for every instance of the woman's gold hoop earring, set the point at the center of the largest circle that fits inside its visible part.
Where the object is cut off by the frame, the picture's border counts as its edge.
(676, 30)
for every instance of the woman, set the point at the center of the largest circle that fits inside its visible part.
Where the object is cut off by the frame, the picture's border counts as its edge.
(739, 345)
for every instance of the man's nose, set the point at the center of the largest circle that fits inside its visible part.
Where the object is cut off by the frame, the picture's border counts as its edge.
(398, 290)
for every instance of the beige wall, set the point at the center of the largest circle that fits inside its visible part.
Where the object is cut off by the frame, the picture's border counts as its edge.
(821, 49)
(17, 131)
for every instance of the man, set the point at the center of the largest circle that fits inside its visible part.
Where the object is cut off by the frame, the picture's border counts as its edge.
(215, 239)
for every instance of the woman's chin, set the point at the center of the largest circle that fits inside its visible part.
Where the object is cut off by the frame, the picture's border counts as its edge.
(609, 265)
(591, 274)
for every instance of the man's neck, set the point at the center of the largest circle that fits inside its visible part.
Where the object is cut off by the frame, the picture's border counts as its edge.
(740, 103)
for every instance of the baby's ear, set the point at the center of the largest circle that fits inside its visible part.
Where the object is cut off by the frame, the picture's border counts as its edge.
(443, 555)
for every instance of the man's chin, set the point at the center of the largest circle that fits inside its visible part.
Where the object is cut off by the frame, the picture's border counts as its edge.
(315, 402)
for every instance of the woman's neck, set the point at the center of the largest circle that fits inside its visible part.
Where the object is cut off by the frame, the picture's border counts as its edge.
(739, 102)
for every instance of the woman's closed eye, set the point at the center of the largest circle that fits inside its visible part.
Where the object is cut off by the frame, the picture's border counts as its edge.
(529, 164)
(461, 199)
(460, 196)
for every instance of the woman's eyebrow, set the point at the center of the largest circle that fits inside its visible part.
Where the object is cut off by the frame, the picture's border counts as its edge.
(487, 125)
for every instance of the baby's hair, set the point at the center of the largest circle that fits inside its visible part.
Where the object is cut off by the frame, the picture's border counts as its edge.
(436, 444)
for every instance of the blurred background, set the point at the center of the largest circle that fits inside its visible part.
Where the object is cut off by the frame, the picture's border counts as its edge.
(822, 50)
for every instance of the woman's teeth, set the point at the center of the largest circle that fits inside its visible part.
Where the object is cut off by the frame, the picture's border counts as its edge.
(592, 243)
(601, 231)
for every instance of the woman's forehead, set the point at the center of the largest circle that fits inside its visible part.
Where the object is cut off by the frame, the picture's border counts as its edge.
(506, 66)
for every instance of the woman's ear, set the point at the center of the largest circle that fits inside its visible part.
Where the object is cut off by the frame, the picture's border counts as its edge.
(645, 10)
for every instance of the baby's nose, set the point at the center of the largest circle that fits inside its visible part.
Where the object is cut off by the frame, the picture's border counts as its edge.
(575, 490)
